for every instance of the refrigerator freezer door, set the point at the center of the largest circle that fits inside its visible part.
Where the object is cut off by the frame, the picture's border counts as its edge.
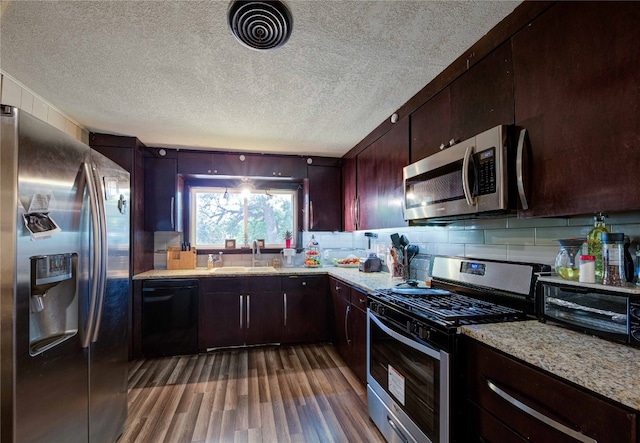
(109, 342)
(44, 396)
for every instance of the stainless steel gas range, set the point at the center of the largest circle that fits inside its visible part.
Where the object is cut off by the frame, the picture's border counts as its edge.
(412, 334)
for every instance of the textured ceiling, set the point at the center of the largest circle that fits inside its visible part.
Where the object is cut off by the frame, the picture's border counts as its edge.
(171, 74)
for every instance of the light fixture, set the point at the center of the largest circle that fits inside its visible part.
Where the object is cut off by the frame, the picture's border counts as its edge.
(260, 25)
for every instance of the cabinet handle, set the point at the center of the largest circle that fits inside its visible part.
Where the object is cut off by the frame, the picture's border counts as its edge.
(311, 213)
(465, 176)
(520, 170)
(357, 209)
(346, 319)
(173, 223)
(535, 414)
(397, 431)
(285, 308)
(248, 311)
(241, 305)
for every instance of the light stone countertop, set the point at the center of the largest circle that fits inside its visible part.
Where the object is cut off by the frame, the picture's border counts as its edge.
(609, 369)
(367, 281)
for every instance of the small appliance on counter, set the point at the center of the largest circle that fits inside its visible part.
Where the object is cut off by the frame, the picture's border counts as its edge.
(289, 255)
(370, 263)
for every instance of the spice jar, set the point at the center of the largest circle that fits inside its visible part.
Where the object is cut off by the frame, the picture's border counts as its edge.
(588, 268)
(613, 259)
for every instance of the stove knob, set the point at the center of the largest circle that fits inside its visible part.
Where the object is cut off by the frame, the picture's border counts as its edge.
(423, 333)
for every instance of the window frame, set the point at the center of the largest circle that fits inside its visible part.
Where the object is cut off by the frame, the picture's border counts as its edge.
(193, 189)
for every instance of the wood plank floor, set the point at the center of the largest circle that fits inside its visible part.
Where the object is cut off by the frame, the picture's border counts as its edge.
(276, 394)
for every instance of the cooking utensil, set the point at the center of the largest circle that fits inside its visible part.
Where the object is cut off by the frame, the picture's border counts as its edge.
(395, 239)
(412, 251)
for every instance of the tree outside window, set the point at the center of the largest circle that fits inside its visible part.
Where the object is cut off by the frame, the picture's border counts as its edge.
(218, 214)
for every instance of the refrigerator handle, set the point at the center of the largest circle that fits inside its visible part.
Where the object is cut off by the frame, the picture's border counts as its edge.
(95, 232)
(103, 250)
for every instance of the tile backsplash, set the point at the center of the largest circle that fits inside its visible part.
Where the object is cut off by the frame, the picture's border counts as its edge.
(507, 238)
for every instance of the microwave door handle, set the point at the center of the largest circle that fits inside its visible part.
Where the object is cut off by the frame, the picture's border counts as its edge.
(520, 170)
(465, 176)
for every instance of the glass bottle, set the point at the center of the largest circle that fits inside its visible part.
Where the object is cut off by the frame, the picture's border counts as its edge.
(594, 242)
(613, 259)
(210, 262)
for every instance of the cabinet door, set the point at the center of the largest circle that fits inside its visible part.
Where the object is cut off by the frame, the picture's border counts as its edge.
(306, 309)
(379, 179)
(576, 92)
(324, 198)
(276, 166)
(495, 381)
(341, 335)
(264, 312)
(483, 96)
(349, 207)
(195, 163)
(358, 331)
(162, 195)
(431, 126)
(221, 320)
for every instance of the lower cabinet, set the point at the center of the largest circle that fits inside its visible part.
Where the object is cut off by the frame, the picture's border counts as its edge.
(350, 325)
(510, 401)
(237, 311)
(306, 309)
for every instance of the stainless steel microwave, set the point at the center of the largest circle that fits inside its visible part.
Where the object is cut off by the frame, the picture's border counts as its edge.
(478, 176)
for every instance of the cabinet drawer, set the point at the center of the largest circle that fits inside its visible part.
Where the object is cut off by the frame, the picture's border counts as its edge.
(359, 299)
(340, 290)
(302, 282)
(510, 390)
(215, 284)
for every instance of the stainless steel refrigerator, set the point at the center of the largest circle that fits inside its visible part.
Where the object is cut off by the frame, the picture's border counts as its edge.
(64, 286)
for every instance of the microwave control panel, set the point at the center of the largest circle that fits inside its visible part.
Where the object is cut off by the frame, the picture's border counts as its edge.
(486, 161)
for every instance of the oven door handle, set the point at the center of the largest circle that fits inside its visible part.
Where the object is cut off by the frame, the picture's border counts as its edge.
(538, 415)
(431, 352)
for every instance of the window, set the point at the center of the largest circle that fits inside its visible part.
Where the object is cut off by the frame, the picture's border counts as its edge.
(219, 214)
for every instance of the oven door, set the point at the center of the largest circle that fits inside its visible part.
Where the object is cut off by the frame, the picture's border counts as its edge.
(411, 385)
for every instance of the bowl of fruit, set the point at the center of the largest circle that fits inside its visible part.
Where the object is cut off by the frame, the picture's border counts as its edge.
(350, 261)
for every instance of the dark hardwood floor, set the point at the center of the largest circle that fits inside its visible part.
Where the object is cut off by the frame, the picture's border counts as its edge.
(272, 394)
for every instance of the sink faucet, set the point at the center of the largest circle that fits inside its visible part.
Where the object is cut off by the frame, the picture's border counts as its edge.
(255, 251)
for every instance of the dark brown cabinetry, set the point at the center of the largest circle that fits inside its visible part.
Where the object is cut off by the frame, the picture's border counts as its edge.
(478, 100)
(482, 97)
(379, 179)
(163, 189)
(510, 401)
(306, 309)
(431, 126)
(350, 326)
(349, 202)
(576, 92)
(324, 198)
(236, 312)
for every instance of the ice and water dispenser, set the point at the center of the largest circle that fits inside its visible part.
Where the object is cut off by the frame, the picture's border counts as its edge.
(53, 314)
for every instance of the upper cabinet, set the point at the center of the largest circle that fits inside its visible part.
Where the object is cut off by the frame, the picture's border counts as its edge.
(479, 99)
(482, 97)
(324, 198)
(379, 184)
(241, 165)
(576, 92)
(349, 196)
(431, 126)
(163, 189)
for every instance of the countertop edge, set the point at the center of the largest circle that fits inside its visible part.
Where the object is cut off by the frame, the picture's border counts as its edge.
(603, 367)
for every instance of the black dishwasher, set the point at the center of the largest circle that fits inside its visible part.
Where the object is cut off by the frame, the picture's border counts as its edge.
(169, 317)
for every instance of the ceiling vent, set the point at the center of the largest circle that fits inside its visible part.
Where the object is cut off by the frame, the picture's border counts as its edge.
(260, 25)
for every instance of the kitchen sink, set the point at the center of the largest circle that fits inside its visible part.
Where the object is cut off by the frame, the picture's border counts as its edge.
(243, 269)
